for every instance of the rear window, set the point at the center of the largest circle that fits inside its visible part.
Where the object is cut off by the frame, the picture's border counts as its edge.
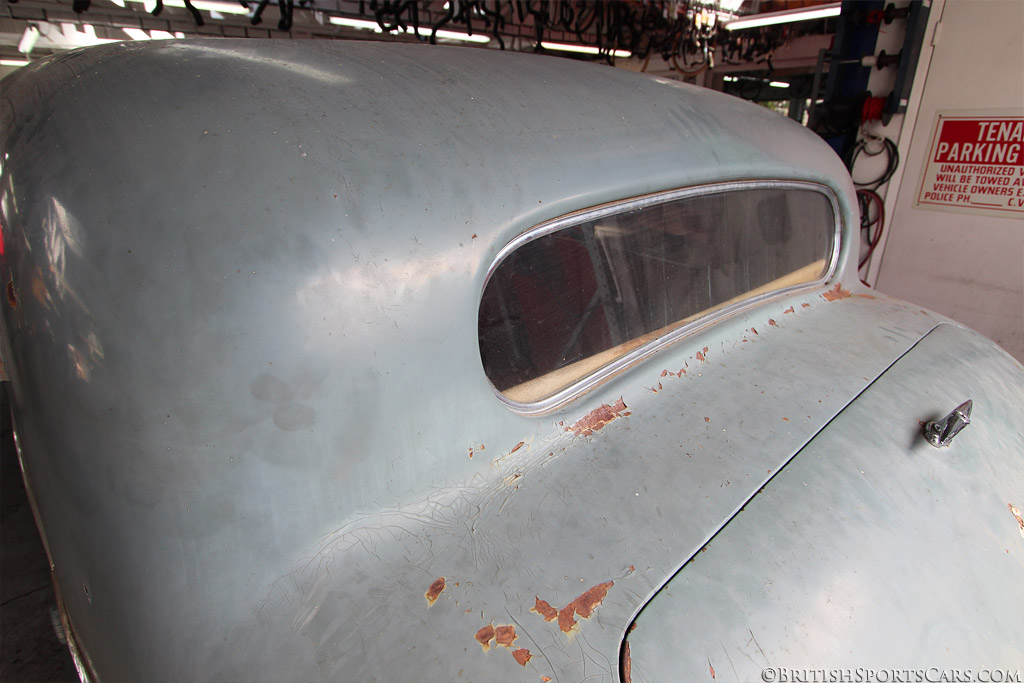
(571, 302)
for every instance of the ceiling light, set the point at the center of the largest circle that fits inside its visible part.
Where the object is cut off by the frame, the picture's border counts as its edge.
(583, 49)
(28, 40)
(778, 84)
(786, 16)
(207, 5)
(14, 62)
(365, 25)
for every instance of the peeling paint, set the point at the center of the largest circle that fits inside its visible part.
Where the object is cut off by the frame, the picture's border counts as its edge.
(544, 609)
(598, 418)
(700, 356)
(522, 656)
(836, 293)
(583, 606)
(434, 591)
(789, 310)
(627, 663)
(505, 635)
(805, 305)
(12, 296)
(1016, 513)
(484, 636)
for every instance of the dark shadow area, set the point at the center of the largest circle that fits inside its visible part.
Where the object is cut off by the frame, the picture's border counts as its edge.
(29, 648)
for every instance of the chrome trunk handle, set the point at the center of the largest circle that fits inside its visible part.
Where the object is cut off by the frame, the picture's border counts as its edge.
(940, 433)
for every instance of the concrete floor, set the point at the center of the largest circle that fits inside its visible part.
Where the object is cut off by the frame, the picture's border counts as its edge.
(29, 648)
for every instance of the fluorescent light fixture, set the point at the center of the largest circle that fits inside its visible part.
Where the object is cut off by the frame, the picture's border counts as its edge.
(14, 62)
(365, 25)
(28, 40)
(139, 34)
(582, 49)
(207, 5)
(778, 84)
(786, 16)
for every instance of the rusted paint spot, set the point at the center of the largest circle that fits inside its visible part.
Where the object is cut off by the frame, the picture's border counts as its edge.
(522, 656)
(434, 591)
(1016, 513)
(484, 636)
(788, 310)
(805, 305)
(632, 627)
(836, 293)
(473, 237)
(505, 635)
(598, 418)
(866, 296)
(786, 419)
(545, 679)
(627, 664)
(12, 296)
(544, 609)
(474, 449)
(664, 373)
(700, 356)
(583, 606)
(771, 321)
(712, 670)
(707, 419)
(517, 447)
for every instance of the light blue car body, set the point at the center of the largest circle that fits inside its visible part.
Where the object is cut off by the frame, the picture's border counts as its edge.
(243, 280)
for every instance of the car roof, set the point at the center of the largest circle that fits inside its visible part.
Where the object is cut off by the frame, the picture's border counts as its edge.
(449, 141)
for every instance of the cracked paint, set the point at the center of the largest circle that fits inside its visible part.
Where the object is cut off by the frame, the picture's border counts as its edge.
(544, 609)
(836, 293)
(598, 418)
(1016, 513)
(484, 636)
(505, 635)
(434, 591)
(583, 606)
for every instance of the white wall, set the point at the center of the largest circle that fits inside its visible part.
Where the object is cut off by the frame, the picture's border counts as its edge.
(967, 266)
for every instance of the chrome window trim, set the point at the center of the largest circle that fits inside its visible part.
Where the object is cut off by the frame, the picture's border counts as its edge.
(592, 380)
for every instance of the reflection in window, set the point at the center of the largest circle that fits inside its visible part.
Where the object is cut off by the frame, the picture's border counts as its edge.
(561, 306)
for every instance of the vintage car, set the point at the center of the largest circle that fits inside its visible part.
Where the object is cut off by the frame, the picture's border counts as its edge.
(388, 362)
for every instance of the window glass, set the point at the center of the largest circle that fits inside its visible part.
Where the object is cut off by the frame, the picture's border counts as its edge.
(560, 307)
